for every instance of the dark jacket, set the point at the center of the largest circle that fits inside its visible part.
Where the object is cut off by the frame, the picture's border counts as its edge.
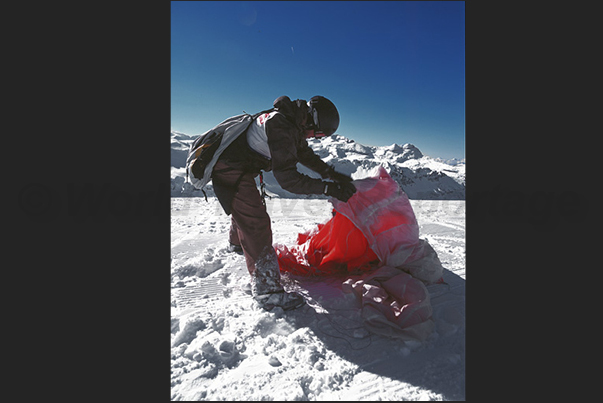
(288, 146)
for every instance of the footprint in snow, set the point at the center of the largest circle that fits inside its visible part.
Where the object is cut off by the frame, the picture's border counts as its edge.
(225, 278)
(207, 268)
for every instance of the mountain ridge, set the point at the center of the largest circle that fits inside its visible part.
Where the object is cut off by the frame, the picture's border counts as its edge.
(420, 176)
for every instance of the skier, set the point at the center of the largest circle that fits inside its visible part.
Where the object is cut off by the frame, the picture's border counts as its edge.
(275, 141)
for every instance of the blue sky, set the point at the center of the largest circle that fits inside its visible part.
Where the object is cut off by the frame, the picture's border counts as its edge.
(394, 69)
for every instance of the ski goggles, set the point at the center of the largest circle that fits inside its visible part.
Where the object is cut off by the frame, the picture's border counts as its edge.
(318, 134)
(314, 125)
(313, 132)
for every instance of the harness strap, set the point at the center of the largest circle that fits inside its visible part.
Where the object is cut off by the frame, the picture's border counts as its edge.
(263, 189)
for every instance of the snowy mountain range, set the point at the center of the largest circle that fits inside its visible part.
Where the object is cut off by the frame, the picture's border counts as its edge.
(420, 176)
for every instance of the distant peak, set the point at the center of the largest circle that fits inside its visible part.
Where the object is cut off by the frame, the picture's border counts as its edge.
(411, 151)
(395, 148)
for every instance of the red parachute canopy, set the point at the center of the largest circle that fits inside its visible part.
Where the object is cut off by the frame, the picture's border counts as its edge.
(375, 226)
(336, 246)
(375, 229)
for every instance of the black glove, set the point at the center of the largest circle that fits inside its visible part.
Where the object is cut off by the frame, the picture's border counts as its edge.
(336, 176)
(340, 190)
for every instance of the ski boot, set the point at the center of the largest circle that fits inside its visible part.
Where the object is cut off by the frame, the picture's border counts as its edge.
(234, 248)
(267, 289)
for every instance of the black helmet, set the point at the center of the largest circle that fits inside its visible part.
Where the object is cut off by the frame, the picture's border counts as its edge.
(323, 115)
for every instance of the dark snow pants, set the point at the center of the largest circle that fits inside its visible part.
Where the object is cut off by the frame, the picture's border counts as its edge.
(250, 223)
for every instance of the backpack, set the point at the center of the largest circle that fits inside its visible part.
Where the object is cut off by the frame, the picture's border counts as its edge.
(207, 148)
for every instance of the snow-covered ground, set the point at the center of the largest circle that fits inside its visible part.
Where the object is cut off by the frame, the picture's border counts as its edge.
(224, 347)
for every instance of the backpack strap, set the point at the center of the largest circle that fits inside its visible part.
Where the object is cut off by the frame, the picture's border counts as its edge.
(257, 115)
